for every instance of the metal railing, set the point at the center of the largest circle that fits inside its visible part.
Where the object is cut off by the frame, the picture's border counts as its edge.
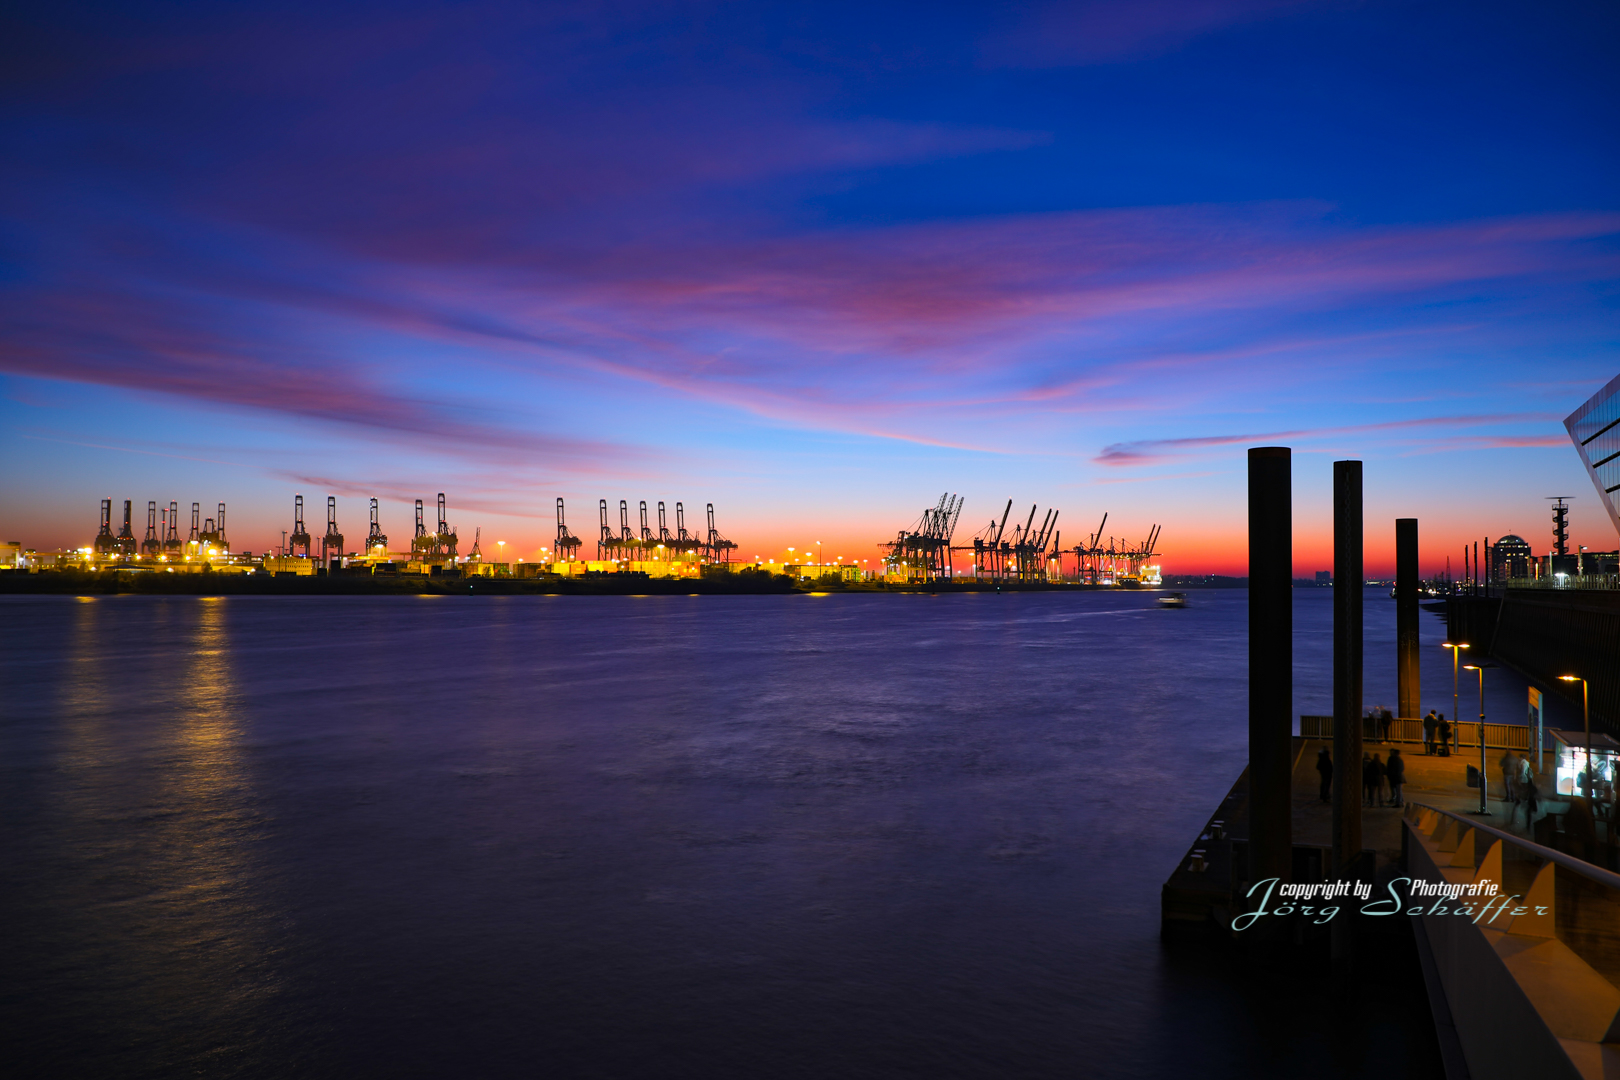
(1408, 730)
(1606, 878)
(1567, 581)
(1502, 900)
(1585, 897)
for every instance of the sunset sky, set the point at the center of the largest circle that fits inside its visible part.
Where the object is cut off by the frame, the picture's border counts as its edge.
(816, 264)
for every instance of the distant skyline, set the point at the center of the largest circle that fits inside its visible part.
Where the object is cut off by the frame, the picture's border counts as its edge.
(816, 265)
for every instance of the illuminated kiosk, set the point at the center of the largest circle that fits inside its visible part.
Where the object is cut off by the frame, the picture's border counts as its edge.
(1569, 761)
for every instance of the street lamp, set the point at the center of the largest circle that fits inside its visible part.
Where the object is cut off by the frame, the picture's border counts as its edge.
(1480, 669)
(1586, 721)
(1454, 654)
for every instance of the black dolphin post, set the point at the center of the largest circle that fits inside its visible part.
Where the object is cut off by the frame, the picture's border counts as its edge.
(1408, 688)
(1271, 662)
(1347, 586)
(1348, 575)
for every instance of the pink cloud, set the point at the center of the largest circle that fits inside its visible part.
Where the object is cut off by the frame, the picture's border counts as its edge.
(871, 331)
(114, 340)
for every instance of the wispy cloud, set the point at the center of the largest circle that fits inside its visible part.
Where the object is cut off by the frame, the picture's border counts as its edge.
(1154, 451)
(1103, 31)
(871, 331)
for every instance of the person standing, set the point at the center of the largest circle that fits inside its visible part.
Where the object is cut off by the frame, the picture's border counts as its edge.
(1397, 777)
(1524, 790)
(1386, 720)
(1324, 768)
(1442, 731)
(1367, 780)
(1429, 725)
(1527, 795)
(1379, 772)
(1509, 765)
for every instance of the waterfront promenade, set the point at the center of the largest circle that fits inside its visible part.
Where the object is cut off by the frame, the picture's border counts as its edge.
(1440, 782)
(1202, 887)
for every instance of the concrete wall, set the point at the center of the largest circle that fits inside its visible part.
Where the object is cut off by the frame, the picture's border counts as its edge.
(1546, 633)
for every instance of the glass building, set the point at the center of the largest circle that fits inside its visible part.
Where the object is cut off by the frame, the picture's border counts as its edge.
(1595, 430)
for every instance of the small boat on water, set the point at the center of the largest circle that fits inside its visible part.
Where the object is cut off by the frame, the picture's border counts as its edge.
(1175, 599)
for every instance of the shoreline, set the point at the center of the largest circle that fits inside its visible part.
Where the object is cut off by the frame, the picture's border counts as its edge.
(105, 583)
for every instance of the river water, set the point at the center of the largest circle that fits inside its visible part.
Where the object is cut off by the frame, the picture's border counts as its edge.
(853, 835)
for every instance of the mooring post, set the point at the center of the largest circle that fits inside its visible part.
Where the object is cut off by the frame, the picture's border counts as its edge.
(1347, 590)
(1271, 663)
(1347, 586)
(1408, 688)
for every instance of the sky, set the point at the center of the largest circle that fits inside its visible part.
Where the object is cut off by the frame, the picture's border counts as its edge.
(814, 264)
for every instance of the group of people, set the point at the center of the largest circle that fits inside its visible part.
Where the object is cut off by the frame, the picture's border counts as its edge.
(1375, 775)
(1381, 781)
(1436, 734)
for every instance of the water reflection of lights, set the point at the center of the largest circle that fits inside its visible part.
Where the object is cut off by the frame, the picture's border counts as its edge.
(163, 900)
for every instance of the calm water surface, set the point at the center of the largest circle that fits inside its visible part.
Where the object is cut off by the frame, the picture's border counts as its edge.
(858, 835)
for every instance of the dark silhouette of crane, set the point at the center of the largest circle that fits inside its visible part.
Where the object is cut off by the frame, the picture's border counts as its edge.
(375, 539)
(106, 542)
(923, 552)
(445, 540)
(423, 542)
(567, 544)
(720, 548)
(683, 539)
(300, 538)
(152, 544)
(171, 539)
(126, 535)
(332, 542)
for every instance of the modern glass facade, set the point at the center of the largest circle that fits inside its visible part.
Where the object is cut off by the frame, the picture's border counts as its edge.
(1595, 430)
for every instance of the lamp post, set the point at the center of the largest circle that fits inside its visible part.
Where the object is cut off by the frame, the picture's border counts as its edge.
(1586, 722)
(1480, 670)
(1455, 652)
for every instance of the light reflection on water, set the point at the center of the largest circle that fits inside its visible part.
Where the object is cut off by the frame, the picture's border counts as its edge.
(852, 835)
(154, 936)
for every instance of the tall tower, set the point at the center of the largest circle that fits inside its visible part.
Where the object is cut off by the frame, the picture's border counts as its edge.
(1560, 516)
(171, 536)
